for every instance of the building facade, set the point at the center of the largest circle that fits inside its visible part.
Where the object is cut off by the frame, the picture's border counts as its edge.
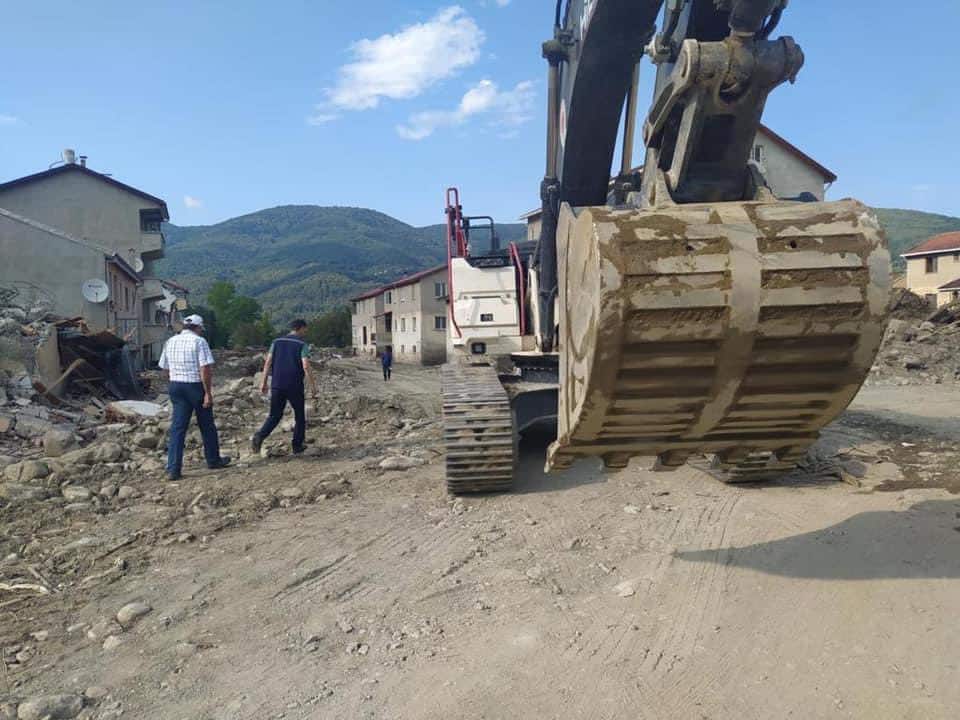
(44, 267)
(408, 315)
(933, 269)
(94, 208)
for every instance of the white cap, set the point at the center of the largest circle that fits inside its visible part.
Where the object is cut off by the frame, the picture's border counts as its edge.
(193, 320)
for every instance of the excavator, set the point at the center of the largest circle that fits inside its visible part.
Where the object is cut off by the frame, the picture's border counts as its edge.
(680, 311)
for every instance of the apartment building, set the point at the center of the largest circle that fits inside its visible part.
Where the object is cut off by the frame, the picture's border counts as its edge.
(119, 220)
(933, 269)
(409, 315)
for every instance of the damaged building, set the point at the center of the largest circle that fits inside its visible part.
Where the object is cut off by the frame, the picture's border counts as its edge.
(84, 244)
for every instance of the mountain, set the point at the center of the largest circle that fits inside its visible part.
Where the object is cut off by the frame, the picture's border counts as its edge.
(906, 228)
(304, 259)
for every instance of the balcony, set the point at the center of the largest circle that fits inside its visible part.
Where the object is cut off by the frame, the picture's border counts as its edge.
(152, 289)
(151, 245)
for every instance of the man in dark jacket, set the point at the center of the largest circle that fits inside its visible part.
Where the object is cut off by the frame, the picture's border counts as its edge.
(386, 360)
(286, 367)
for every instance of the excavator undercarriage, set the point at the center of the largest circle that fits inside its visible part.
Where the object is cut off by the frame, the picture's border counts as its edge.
(694, 313)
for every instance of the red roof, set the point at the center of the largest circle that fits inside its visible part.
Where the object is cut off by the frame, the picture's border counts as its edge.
(952, 285)
(944, 242)
(406, 280)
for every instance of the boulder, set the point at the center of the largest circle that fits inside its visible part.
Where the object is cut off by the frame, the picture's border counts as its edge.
(399, 462)
(83, 456)
(29, 427)
(24, 472)
(56, 442)
(146, 440)
(54, 707)
(7, 424)
(131, 612)
(75, 493)
(133, 409)
(15, 493)
(107, 452)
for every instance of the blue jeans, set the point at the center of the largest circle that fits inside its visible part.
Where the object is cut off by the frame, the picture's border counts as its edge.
(279, 397)
(187, 399)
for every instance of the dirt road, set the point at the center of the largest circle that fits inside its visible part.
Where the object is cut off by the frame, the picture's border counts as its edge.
(581, 595)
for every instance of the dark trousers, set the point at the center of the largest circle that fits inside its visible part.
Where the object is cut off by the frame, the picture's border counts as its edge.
(386, 372)
(278, 401)
(187, 399)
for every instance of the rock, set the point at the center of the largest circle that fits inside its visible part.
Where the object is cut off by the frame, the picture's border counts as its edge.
(57, 442)
(29, 427)
(399, 462)
(147, 441)
(17, 493)
(107, 452)
(40, 635)
(131, 612)
(627, 588)
(287, 426)
(26, 471)
(95, 693)
(913, 363)
(102, 629)
(151, 465)
(54, 707)
(7, 460)
(8, 711)
(108, 491)
(112, 642)
(291, 492)
(75, 493)
(127, 492)
(632, 509)
(133, 409)
(6, 424)
(345, 626)
(83, 456)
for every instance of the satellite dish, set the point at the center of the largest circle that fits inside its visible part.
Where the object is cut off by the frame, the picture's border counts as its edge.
(138, 264)
(95, 290)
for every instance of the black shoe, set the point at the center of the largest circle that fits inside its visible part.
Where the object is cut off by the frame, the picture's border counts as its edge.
(221, 463)
(298, 449)
(173, 477)
(255, 442)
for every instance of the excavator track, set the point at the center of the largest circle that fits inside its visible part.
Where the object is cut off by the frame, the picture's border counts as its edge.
(478, 430)
(736, 330)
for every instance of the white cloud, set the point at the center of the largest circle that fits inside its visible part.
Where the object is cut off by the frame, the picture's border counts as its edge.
(402, 65)
(8, 119)
(506, 109)
(192, 203)
(321, 117)
(503, 3)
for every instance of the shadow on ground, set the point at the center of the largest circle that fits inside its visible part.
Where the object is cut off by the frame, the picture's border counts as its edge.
(532, 456)
(920, 542)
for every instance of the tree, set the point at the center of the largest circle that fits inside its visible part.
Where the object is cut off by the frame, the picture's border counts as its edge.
(242, 309)
(211, 327)
(219, 297)
(332, 329)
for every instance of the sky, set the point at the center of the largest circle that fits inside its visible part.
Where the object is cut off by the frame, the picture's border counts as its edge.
(224, 108)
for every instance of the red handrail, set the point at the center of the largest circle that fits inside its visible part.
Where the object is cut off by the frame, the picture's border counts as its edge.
(515, 254)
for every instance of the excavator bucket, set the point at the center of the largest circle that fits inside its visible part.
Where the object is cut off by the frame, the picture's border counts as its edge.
(733, 330)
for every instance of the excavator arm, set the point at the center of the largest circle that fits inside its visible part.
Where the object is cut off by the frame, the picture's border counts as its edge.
(698, 314)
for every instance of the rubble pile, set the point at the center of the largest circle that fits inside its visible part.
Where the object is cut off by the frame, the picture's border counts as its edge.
(919, 347)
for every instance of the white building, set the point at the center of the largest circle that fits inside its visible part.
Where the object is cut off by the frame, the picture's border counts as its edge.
(409, 315)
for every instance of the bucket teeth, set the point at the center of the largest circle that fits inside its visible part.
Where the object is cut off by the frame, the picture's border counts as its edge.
(729, 329)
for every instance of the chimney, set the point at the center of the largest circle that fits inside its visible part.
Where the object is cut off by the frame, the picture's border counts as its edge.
(83, 161)
(69, 157)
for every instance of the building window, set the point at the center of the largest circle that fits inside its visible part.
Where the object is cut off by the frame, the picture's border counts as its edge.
(931, 266)
(440, 289)
(126, 299)
(151, 221)
(403, 324)
(758, 154)
(440, 322)
(413, 325)
(389, 299)
(403, 348)
(414, 350)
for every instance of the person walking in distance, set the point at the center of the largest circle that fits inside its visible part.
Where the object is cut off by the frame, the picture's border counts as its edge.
(287, 366)
(386, 360)
(188, 360)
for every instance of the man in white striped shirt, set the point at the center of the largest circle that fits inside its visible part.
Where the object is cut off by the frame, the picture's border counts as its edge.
(188, 359)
